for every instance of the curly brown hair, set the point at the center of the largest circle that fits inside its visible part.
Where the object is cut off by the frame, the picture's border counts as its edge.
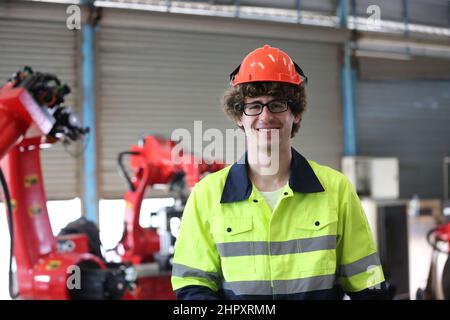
(235, 97)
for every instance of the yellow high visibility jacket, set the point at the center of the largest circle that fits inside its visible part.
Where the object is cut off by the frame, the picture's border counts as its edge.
(316, 240)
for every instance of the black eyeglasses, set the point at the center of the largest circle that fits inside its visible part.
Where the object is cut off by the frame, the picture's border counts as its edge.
(256, 108)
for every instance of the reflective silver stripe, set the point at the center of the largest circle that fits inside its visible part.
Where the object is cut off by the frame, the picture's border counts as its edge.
(361, 265)
(304, 285)
(180, 270)
(249, 287)
(303, 245)
(249, 248)
(244, 248)
(281, 286)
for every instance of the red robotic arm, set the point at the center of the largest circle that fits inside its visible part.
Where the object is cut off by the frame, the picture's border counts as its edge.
(18, 112)
(31, 107)
(154, 161)
(31, 113)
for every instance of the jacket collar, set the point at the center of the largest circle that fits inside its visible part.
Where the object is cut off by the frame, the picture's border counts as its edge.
(238, 186)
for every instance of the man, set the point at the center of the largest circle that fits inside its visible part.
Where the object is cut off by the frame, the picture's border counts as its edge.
(273, 225)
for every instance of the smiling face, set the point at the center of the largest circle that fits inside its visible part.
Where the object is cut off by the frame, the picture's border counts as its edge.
(268, 127)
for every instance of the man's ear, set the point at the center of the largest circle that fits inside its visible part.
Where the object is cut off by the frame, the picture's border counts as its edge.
(297, 119)
(239, 122)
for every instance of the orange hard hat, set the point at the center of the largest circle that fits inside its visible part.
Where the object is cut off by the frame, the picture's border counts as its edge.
(268, 64)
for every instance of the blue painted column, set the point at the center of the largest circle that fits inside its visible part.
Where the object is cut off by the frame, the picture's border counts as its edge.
(168, 5)
(298, 5)
(353, 12)
(448, 13)
(237, 4)
(348, 81)
(405, 17)
(343, 13)
(90, 198)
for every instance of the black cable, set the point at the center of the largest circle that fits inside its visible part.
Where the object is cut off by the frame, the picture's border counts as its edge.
(122, 170)
(433, 244)
(12, 294)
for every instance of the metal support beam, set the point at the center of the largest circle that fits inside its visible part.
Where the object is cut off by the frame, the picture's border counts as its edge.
(299, 10)
(343, 13)
(90, 199)
(348, 86)
(405, 17)
(353, 12)
(237, 4)
(448, 13)
(353, 8)
(348, 79)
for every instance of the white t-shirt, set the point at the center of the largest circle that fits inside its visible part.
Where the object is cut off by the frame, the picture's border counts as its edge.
(272, 197)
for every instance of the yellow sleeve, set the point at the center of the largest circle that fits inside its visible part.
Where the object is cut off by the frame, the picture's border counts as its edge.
(196, 259)
(359, 266)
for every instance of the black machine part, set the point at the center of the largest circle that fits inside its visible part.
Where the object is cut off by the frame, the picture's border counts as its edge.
(99, 284)
(438, 284)
(96, 283)
(67, 126)
(446, 280)
(84, 226)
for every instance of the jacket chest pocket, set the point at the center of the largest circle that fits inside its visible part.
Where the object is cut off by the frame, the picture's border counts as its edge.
(316, 241)
(235, 245)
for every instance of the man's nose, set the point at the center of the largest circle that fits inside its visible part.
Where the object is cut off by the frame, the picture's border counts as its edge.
(265, 114)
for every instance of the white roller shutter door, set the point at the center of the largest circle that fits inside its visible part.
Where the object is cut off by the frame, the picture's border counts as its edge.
(155, 80)
(35, 34)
